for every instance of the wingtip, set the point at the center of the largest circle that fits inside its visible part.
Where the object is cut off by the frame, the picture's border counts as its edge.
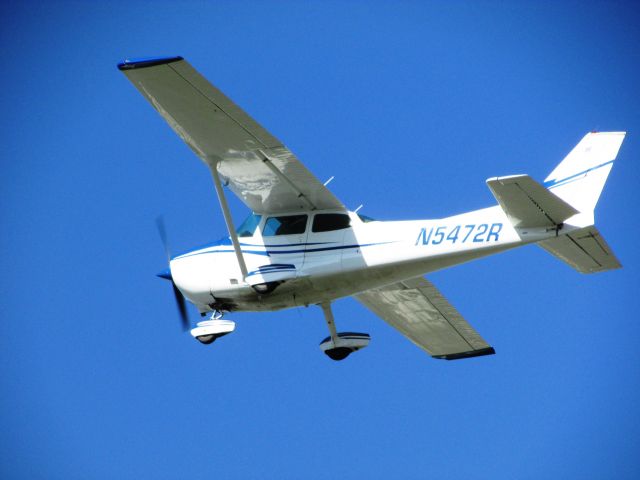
(599, 132)
(470, 354)
(133, 63)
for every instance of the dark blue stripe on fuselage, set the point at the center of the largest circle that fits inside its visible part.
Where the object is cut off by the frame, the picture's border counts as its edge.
(193, 254)
(261, 271)
(282, 252)
(308, 250)
(275, 267)
(226, 242)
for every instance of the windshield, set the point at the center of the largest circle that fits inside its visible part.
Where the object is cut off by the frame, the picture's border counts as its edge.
(249, 225)
(366, 219)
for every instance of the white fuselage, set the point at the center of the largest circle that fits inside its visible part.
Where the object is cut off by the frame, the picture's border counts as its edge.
(323, 266)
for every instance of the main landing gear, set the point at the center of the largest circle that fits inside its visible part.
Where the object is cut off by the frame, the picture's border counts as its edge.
(210, 330)
(339, 346)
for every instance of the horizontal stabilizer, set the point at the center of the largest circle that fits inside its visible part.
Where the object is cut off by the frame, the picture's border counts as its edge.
(585, 250)
(527, 203)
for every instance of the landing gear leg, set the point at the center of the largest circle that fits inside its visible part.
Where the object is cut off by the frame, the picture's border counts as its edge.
(331, 323)
(339, 346)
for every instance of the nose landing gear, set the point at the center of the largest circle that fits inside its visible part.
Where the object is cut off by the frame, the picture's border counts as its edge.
(339, 346)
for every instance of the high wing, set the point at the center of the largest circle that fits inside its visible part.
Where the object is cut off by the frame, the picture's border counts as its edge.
(256, 166)
(424, 316)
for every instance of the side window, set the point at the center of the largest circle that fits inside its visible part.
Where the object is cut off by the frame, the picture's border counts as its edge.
(327, 222)
(289, 225)
(248, 227)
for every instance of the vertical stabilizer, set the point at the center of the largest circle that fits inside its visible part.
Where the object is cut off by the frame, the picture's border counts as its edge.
(580, 177)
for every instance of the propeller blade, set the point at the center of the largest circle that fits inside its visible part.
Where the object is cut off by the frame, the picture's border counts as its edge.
(182, 307)
(180, 300)
(163, 235)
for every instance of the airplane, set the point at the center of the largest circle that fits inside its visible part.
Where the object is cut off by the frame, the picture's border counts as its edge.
(301, 246)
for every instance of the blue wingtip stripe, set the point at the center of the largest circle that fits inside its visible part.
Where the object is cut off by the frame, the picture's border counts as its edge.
(130, 64)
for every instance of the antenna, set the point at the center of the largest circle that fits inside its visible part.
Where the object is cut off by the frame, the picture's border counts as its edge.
(356, 210)
(329, 181)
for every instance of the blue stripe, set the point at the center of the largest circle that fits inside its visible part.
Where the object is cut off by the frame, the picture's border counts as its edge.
(278, 252)
(283, 244)
(131, 63)
(275, 267)
(258, 272)
(250, 252)
(341, 247)
(251, 274)
(556, 183)
(226, 242)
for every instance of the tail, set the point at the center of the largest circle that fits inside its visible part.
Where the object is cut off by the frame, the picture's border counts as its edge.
(580, 177)
(579, 180)
(567, 203)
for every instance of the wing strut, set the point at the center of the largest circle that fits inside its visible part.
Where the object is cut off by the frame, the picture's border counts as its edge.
(229, 221)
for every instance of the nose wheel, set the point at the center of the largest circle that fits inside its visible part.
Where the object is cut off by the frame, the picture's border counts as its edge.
(338, 346)
(210, 330)
(206, 339)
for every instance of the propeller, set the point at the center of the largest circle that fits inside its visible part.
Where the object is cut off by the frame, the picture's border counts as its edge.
(180, 300)
(182, 307)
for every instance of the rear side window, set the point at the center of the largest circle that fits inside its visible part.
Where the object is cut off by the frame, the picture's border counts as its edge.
(289, 225)
(327, 222)
(248, 227)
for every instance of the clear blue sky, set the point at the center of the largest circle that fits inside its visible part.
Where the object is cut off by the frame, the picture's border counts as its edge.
(411, 105)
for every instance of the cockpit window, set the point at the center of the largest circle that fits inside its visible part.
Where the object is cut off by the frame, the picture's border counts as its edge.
(366, 219)
(327, 222)
(248, 227)
(289, 225)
